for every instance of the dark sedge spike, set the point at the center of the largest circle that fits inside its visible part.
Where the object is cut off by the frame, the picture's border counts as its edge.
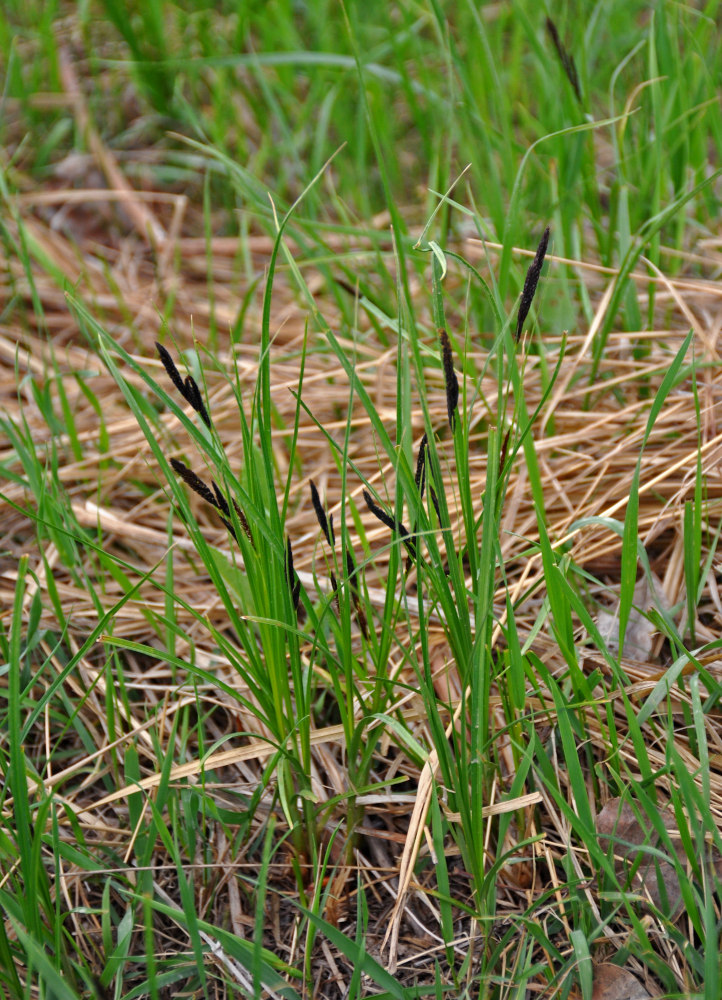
(390, 523)
(360, 613)
(169, 365)
(531, 281)
(378, 511)
(230, 528)
(204, 414)
(193, 395)
(432, 491)
(215, 498)
(502, 456)
(294, 583)
(361, 616)
(330, 528)
(190, 391)
(353, 583)
(289, 563)
(334, 591)
(354, 291)
(435, 502)
(352, 578)
(243, 520)
(195, 482)
(452, 383)
(320, 512)
(222, 503)
(349, 289)
(406, 538)
(420, 477)
(565, 58)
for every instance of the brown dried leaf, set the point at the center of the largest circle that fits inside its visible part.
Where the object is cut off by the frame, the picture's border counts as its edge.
(640, 632)
(337, 899)
(618, 824)
(614, 983)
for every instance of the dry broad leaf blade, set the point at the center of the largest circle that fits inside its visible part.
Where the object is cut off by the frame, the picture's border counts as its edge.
(611, 982)
(640, 631)
(652, 876)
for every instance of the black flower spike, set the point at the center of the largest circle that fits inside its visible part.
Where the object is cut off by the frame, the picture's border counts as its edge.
(566, 59)
(221, 502)
(435, 502)
(382, 516)
(378, 512)
(230, 527)
(195, 482)
(193, 395)
(243, 520)
(189, 389)
(433, 478)
(353, 581)
(213, 497)
(531, 281)
(293, 582)
(222, 505)
(420, 477)
(326, 525)
(321, 513)
(504, 446)
(406, 537)
(169, 365)
(452, 383)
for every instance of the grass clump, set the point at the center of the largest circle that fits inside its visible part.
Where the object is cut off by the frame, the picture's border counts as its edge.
(365, 642)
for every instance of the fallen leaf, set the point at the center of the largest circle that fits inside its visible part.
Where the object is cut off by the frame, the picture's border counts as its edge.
(639, 633)
(618, 824)
(614, 983)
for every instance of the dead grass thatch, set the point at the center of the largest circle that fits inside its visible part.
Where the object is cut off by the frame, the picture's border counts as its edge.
(148, 252)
